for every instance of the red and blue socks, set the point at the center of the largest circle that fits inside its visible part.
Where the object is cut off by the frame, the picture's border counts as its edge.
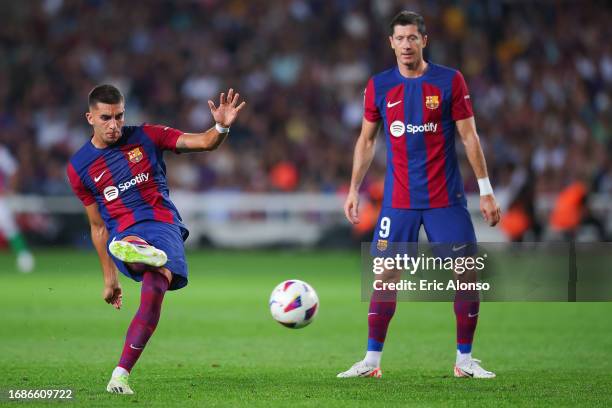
(466, 307)
(382, 309)
(154, 286)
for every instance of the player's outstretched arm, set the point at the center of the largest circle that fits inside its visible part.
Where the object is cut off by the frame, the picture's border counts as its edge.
(224, 115)
(99, 236)
(488, 205)
(362, 158)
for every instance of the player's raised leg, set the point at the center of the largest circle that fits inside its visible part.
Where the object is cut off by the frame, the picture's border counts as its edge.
(135, 250)
(154, 286)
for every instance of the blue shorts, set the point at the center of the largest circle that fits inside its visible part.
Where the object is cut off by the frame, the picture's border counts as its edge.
(167, 237)
(449, 230)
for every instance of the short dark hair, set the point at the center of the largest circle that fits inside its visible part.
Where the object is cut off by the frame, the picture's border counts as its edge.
(404, 18)
(106, 94)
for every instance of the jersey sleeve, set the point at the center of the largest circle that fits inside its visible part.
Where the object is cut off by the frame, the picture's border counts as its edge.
(164, 137)
(370, 110)
(461, 105)
(78, 187)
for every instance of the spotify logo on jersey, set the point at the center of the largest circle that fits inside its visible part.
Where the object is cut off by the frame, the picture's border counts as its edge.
(397, 128)
(110, 193)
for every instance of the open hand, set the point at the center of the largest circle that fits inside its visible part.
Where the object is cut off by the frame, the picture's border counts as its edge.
(225, 114)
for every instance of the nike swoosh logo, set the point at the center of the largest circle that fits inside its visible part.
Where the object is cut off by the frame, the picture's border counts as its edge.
(96, 179)
(472, 315)
(455, 249)
(369, 314)
(468, 373)
(390, 105)
(135, 348)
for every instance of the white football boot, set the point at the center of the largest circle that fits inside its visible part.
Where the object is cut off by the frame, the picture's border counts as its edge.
(119, 385)
(361, 369)
(136, 253)
(471, 368)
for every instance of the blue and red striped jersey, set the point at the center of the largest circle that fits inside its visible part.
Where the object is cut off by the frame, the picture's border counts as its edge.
(419, 117)
(128, 179)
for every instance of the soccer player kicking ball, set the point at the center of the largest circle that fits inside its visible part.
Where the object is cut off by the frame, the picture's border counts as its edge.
(419, 104)
(120, 177)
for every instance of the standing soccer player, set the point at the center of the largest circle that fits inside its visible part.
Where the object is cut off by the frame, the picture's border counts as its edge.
(419, 104)
(120, 177)
(8, 225)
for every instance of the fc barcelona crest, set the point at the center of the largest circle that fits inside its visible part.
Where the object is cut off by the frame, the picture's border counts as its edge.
(432, 102)
(381, 245)
(135, 155)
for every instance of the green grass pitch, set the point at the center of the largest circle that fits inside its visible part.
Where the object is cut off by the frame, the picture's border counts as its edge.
(216, 344)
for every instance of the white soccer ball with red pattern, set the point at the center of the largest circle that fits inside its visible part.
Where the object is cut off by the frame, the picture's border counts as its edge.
(294, 303)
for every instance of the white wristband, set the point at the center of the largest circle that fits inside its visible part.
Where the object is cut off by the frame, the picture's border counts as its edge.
(221, 129)
(485, 186)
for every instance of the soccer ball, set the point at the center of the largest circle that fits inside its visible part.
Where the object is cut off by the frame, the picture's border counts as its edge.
(294, 304)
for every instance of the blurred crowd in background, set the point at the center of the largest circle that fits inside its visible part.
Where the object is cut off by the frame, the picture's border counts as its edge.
(539, 73)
